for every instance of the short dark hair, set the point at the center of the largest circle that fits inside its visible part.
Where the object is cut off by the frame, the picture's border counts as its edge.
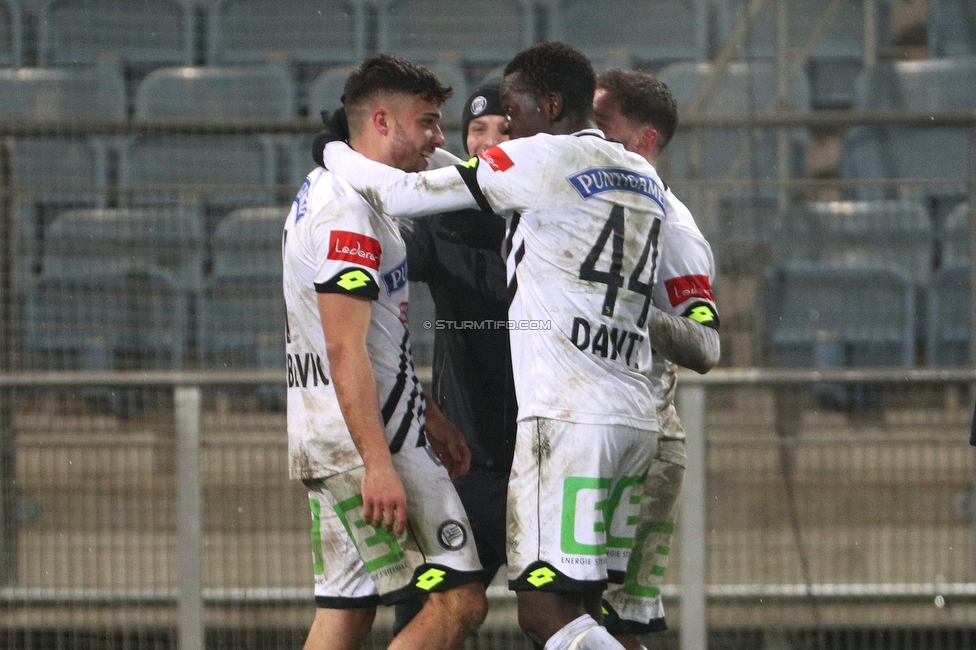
(643, 98)
(386, 73)
(554, 67)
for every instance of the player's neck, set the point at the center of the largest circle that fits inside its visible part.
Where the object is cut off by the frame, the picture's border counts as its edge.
(371, 148)
(569, 125)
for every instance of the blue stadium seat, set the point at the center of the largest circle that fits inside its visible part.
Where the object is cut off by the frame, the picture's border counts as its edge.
(325, 93)
(116, 239)
(947, 343)
(299, 31)
(822, 315)
(746, 87)
(953, 237)
(952, 28)
(481, 32)
(222, 171)
(242, 310)
(54, 173)
(11, 34)
(104, 299)
(657, 31)
(158, 32)
(910, 152)
(895, 233)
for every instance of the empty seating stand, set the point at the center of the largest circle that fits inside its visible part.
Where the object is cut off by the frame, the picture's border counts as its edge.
(480, 32)
(242, 310)
(952, 28)
(11, 34)
(51, 174)
(894, 233)
(828, 35)
(947, 341)
(221, 172)
(299, 31)
(155, 32)
(911, 152)
(744, 88)
(652, 31)
(114, 288)
(824, 315)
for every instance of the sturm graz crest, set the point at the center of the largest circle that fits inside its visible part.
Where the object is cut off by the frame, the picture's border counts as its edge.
(451, 535)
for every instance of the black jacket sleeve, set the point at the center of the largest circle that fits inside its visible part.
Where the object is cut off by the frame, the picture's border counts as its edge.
(418, 235)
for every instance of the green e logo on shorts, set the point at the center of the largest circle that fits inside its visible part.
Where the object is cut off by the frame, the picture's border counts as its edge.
(575, 489)
(376, 547)
(574, 492)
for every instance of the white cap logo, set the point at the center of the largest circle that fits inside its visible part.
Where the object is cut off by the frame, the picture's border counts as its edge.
(478, 105)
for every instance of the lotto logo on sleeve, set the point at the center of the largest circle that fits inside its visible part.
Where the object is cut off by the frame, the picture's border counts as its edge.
(688, 287)
(354, 247)
(497, 159)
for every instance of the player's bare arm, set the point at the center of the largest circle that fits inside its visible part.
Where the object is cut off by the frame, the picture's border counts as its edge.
(681, 339)
(345, 321)
(447, 441)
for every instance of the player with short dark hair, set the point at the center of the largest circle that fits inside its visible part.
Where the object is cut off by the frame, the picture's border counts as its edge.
(387, 523)
(638, 110)
(584, 222)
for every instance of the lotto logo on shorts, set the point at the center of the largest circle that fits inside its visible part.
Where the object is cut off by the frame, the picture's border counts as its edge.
(451, 535)
(354, 247)
(430, 579)
(497, 159)
(687, 287)
(541, 576)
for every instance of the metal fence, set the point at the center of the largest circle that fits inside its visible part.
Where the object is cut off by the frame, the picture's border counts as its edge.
(173, 523)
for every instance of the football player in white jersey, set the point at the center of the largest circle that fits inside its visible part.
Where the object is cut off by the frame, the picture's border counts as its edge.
(386, 521)
(640, 111)
(585, 216)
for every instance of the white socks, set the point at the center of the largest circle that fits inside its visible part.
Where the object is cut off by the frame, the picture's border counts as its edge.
(582, 633)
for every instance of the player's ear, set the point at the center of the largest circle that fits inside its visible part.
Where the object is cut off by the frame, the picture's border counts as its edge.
(649, 138)
(381, 120)
(552, 107)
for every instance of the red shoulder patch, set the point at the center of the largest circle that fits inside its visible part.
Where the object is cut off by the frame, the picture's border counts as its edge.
(688, 287)
(354, 247)
(497, 159)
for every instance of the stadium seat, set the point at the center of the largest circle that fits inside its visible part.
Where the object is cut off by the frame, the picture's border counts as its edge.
(911, 152)
(745, 88)
(655, 31)
(822, 315)
(54, 173)
(242, 310)
(896, 233)
(222, 171)
(11, 34)
(953, 237)
(299, 31)
(325, 93)
(947, 343)
(952, 28)
(480, 32)
(116, 239)
(105, 299)
(157, 32)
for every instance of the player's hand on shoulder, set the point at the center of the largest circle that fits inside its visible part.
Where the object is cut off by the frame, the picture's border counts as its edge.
(336, 129)
(384, 499)
(448, 442)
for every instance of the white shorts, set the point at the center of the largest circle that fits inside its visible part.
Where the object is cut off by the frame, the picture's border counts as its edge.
(573, 502)
(636, 603)
(357, 565)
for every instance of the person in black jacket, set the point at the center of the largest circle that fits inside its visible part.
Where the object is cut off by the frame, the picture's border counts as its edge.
(458, 256)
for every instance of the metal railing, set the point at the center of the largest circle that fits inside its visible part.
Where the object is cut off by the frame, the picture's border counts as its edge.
(694, 593)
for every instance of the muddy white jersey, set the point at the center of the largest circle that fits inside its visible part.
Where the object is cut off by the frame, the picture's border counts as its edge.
(334, 242)
(582, 251)
(683, 288)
